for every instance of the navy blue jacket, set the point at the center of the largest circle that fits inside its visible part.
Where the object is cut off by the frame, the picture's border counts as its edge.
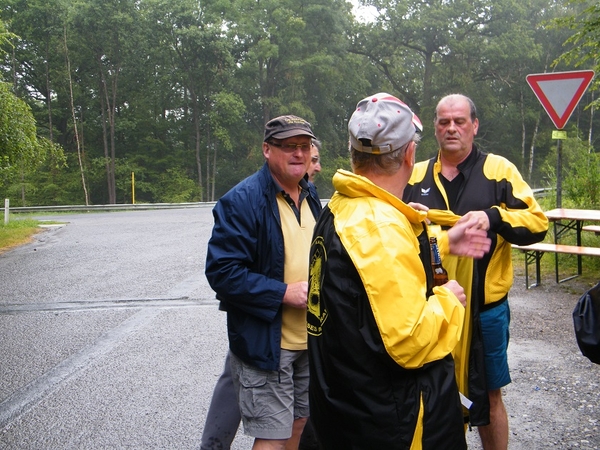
(245, 264)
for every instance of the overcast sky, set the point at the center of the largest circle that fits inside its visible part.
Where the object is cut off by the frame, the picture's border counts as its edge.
(363, 13)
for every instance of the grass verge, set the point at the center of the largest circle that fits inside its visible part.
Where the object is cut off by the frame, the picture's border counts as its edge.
(17, 232)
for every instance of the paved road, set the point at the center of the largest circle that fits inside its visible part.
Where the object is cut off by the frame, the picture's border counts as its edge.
(110, 336)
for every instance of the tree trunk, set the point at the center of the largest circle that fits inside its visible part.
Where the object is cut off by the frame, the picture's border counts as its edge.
(113, 109)
(427, 84)
(532, 148)
(109, 108)
(208, 147)
(590, 133)
(23, 187)
(105, 140)
(79, 153)
(49, 94)
(198, 136)
(214, 176)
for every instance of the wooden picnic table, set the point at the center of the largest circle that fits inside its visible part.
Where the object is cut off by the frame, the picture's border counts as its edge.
(566, 220)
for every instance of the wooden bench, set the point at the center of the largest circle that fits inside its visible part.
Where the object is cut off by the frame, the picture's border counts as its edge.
(592, 228)
(534, 252)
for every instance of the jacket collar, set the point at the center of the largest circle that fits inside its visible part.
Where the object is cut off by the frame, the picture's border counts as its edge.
(353, 185)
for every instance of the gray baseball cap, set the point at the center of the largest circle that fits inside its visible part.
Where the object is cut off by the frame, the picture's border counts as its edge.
(384, 120)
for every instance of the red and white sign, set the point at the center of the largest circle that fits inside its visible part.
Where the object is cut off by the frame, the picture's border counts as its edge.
(560, 92)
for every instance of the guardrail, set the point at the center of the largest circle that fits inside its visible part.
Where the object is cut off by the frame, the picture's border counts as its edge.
(115, 207)
(541, 192)
(143, 206)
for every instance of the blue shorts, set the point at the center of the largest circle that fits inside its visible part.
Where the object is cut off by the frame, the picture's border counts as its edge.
(494, 326)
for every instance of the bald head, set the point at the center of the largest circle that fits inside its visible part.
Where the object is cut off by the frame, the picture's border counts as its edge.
(456, 126)
(456, 98)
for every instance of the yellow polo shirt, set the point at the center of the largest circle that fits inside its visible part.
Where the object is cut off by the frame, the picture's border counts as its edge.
(296, 238)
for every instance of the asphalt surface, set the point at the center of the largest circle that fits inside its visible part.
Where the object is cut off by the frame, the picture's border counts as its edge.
(110, 337)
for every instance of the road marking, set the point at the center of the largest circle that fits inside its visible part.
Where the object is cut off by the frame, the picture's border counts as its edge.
(105, 304)
(25, 399)
(186, 287)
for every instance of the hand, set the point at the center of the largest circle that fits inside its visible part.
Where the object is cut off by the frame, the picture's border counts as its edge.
(457, 290)
(296, 295)
(482, 221)
(418, 206)
(468, 237)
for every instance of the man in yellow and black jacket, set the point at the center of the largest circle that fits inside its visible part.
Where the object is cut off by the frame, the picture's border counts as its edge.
(380, 336)
(462, 181)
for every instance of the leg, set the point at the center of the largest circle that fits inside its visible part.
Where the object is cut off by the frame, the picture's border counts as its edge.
(293, 442)
(301, 376)
(223, 418)
(495, 435)
(281, 444)
(495, 330)
(269, 444)
(308, 441)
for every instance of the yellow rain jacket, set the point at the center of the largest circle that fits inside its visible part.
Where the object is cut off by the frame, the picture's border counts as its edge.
(494, 185)
(379, 336)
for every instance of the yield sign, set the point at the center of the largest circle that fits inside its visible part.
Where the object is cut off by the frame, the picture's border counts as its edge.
(560, 92)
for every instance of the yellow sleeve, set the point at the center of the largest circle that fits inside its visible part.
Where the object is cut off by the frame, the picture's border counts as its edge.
(415, 330)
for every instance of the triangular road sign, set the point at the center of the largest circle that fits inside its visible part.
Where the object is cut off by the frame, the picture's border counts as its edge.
(560, 92)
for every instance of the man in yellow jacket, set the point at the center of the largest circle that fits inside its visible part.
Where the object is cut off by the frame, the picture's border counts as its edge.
(464, 182)
(380, 334)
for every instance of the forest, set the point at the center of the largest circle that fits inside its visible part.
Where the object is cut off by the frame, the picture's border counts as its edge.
(111, 101)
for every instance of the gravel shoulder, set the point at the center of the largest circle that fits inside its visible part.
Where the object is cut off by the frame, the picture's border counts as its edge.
(554, 398)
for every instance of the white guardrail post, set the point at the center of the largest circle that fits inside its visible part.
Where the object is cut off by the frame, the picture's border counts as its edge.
(6, 203)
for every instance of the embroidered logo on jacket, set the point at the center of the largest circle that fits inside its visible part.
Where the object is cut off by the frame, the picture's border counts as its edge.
(425, 192)
(317, 313)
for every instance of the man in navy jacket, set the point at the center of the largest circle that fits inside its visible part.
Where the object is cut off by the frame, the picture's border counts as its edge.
(257, 263)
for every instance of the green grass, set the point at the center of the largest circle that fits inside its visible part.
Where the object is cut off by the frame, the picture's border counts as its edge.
(17, 232)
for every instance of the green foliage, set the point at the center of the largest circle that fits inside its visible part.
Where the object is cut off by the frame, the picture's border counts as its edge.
(581, 185)
(6, 38)
(175, 186)
(482, 49)
(227, 110)
(584, 44)
(18, 140)
(22, 155)
(580, 176)
(171, 185)
(178, 91)
(328, 169)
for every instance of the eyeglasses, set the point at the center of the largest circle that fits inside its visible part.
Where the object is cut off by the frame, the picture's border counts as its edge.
(290, 148)
(315, 159)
